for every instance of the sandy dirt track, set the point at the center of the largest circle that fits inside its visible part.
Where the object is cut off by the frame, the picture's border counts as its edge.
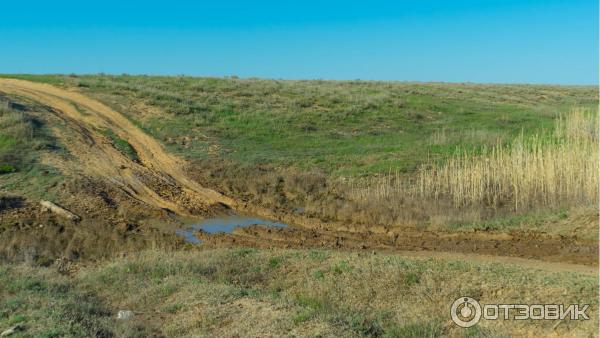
(156, 179)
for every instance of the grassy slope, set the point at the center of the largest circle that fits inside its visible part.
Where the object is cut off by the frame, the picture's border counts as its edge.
(341, 127)
(24, 139)
(282, 292)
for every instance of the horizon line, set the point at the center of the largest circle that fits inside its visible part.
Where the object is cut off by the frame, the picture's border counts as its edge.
(237, 77)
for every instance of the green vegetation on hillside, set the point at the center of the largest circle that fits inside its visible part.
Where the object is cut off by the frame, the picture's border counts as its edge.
(54, 79)
(347, 127)
(388, 153)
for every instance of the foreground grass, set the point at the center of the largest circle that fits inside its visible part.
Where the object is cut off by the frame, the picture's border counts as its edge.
(245, 292)
(39, 302)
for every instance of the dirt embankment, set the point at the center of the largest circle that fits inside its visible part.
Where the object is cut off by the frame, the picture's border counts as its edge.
(118, 197)
(155, 177)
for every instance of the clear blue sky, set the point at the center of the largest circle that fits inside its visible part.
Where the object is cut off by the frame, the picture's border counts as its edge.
(527, 41)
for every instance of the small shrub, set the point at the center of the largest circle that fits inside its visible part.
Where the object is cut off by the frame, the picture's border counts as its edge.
(363, 325)
(318, 255)
(310, 302)
(7, 168)
(173, 308)
(412, 278)
(15, 319)
(342, 267)
(243, 252)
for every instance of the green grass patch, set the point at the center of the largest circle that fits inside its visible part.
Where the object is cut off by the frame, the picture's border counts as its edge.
(7, 168)
(416, 330)
(303, 316)
(274, 262)
(46, 305)
(121, 145)
(43, 78)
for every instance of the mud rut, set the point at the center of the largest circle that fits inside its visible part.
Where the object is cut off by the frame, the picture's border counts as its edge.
(157, 179)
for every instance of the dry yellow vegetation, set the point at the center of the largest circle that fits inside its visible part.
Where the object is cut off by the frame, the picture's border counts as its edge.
(554, 169)
(547, 169)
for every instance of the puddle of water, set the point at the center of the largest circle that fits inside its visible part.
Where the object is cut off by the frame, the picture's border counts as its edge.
(188, 236)
(224, 224)
(227, 224)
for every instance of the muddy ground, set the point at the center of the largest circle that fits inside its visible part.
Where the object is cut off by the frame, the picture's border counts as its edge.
(520, 244)
(111, 223)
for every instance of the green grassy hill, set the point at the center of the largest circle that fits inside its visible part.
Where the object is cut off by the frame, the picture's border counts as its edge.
(342, 128)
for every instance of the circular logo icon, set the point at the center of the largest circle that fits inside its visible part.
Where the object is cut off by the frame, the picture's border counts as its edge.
(465, 312)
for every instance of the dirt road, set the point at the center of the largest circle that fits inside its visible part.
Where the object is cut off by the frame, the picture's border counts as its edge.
(518, 247)
(156, 178)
